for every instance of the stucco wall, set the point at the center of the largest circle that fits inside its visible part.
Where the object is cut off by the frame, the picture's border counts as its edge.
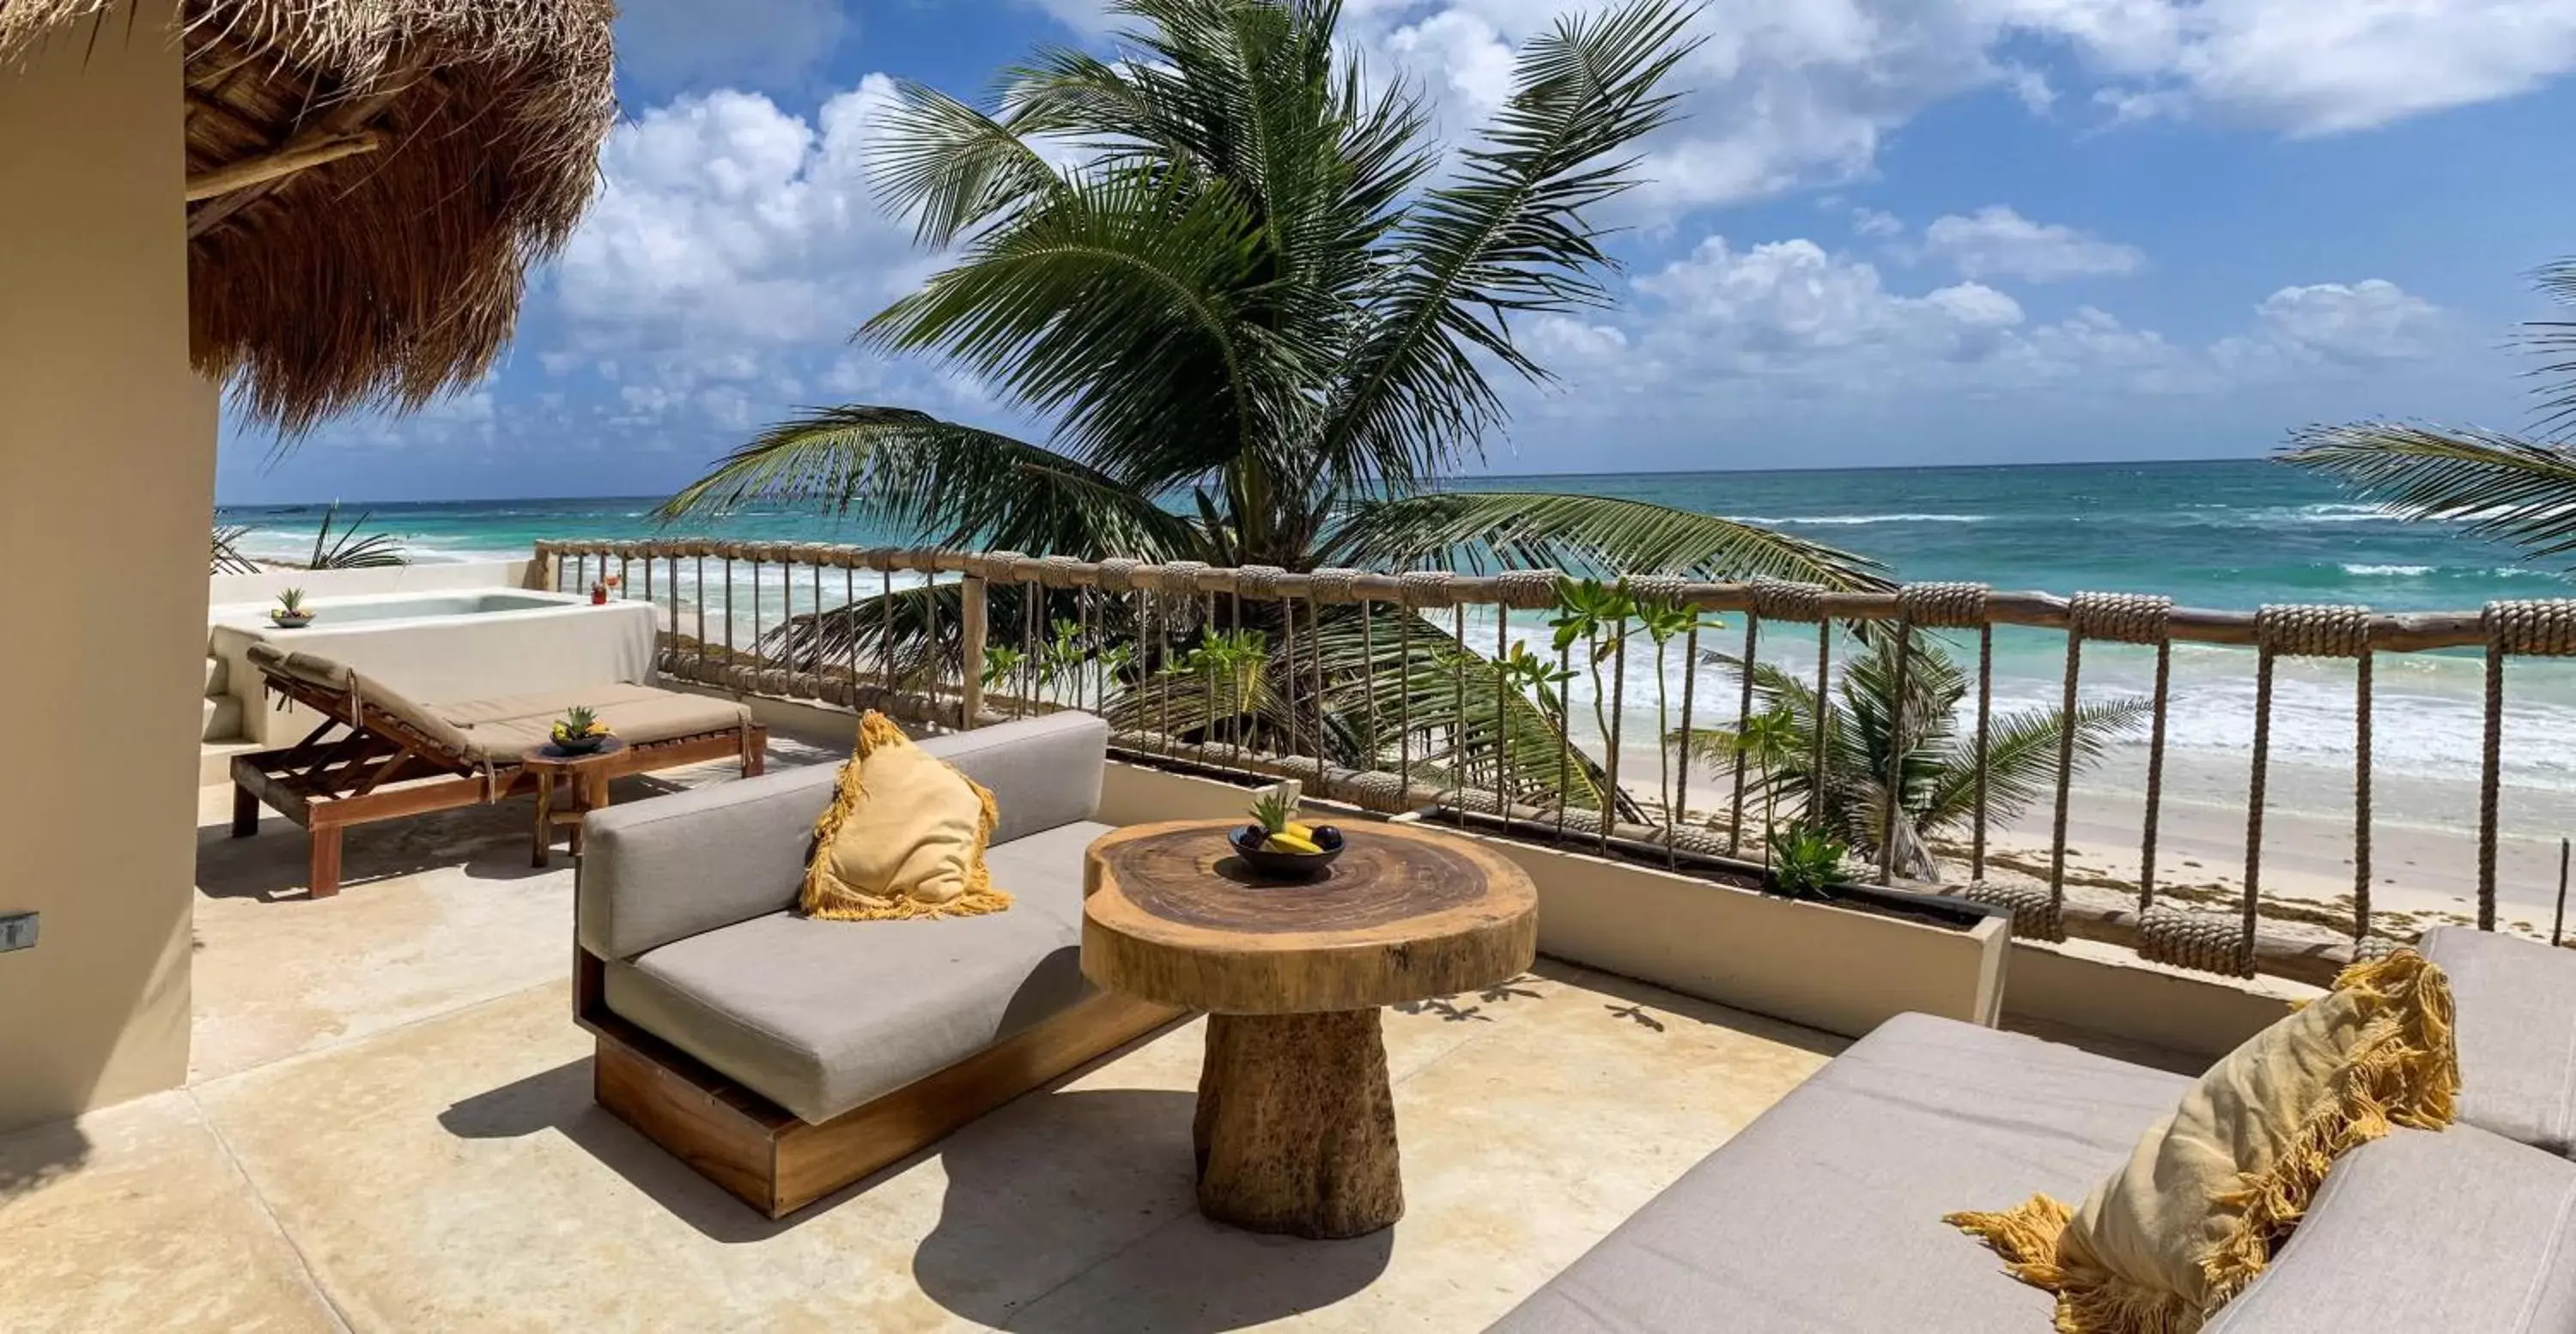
(107, 454)
(264, 587)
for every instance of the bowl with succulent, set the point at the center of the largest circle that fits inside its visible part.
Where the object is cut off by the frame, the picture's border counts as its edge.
(579, 731)
(1278, 845)
(290, 613)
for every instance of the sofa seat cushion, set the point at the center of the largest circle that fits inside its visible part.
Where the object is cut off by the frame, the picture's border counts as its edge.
(2456, 1230)
(1043, 872)
(2517, 1034)
(1824, 1215)
(820, 1016)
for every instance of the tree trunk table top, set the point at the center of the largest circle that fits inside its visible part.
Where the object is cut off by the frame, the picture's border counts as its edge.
(1171, 914)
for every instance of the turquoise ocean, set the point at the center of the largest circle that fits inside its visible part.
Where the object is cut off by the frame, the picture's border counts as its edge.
(2233, 534)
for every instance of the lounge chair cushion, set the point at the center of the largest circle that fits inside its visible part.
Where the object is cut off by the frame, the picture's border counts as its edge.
(820, 1017)
(1824, 1215)
(2455, 1230)
(640, 715)
(329, 674)
(2517, 1031)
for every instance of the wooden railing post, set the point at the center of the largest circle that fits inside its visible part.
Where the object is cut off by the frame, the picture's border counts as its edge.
(970, 707)
(541, 569)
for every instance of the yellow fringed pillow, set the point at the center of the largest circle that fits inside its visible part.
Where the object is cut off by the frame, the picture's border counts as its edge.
(905, 836)
(2213, 1190)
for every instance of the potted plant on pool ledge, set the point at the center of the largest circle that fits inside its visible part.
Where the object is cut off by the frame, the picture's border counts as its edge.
(290, 613)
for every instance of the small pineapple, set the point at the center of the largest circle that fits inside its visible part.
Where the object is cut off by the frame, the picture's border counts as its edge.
(580, 728)
(1275, 814)
(290, 607)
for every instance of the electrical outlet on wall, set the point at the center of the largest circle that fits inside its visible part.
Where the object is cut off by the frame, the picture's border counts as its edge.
(17, 931)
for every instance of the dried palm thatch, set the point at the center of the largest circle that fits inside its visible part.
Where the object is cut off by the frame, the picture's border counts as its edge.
(368, 181)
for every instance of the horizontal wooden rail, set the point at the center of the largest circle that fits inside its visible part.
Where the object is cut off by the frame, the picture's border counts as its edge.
(2401, 632)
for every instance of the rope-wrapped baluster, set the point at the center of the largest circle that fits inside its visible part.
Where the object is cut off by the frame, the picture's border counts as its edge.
(1415, 589)
(1743, 723)
(1961, 606)
(2205, 941)
(732, 661)
(2330, 632)
(1514, 590)
(1894, 795)
(2037, 914)
(1458, 710)
(2544, 627)
(1779, 600)
(1661, 591)
(1679, 816)
(2126, 618)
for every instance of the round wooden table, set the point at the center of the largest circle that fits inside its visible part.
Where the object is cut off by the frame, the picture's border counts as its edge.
(587, 777)
(1296, 1126)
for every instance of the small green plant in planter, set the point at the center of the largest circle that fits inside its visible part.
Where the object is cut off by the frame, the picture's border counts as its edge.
(580, 730)
(290, 613)
(1806, 861)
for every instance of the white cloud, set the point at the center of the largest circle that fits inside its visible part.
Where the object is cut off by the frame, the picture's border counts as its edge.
(2314, 66)
(2362, 324)
(1876, 223)
(1792, 320)
(1997, 241)
(1782, 96)
(733, 249)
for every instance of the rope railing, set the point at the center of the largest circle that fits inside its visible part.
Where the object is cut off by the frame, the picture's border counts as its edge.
(1270, 671)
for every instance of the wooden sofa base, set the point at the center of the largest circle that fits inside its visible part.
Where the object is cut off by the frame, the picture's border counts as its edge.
(777, 1164)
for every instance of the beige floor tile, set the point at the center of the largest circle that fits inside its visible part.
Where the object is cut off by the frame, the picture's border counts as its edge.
(135, 1219)
(1552, 1109)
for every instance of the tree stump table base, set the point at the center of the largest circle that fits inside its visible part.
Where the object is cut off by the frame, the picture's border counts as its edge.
(1296, 1125)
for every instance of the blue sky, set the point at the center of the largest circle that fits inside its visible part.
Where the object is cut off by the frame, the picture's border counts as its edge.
(1889, 232)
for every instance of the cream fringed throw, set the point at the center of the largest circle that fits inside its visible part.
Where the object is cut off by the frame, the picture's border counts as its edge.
(904, 838)
(2213, 1190)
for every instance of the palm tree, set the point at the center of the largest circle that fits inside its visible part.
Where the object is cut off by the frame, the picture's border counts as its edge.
(1937, 787)
(2515, 488)
(1265, 314)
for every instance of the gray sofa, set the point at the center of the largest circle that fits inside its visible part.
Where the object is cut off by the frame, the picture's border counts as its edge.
(838, 1042)
(1824, 1214)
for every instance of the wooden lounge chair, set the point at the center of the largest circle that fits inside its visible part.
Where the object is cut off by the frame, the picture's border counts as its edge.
(381, 756)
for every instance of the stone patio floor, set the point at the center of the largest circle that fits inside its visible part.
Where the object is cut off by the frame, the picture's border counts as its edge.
(388, 1126)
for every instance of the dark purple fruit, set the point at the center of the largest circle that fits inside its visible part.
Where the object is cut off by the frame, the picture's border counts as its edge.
(1326, 836)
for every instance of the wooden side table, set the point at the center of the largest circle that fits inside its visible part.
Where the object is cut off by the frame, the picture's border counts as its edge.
(1295, 1130)
(585, 781)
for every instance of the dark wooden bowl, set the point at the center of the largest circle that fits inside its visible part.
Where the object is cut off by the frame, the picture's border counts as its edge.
(1285, 865)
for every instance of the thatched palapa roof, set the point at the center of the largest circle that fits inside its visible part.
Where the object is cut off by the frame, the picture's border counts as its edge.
(368, 181)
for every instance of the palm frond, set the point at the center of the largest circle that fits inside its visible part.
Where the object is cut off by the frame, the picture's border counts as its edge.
(1585, 534)
(958, 485)
(223, 551)
(1506, 236)
(951, 167)
(2499, 486)
(353, 549)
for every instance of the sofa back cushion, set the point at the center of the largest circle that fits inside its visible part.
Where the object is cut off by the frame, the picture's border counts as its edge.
(1042, 772)
(657, 871)
(665, 869)
(2517, 1034)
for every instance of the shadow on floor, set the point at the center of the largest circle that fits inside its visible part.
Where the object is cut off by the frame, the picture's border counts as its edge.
(560, 1100)
(30, 1158)
(1653, 1008)
(486, 842)
(1113, 1191)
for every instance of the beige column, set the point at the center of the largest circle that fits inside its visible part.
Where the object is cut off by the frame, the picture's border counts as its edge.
(107, 448)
